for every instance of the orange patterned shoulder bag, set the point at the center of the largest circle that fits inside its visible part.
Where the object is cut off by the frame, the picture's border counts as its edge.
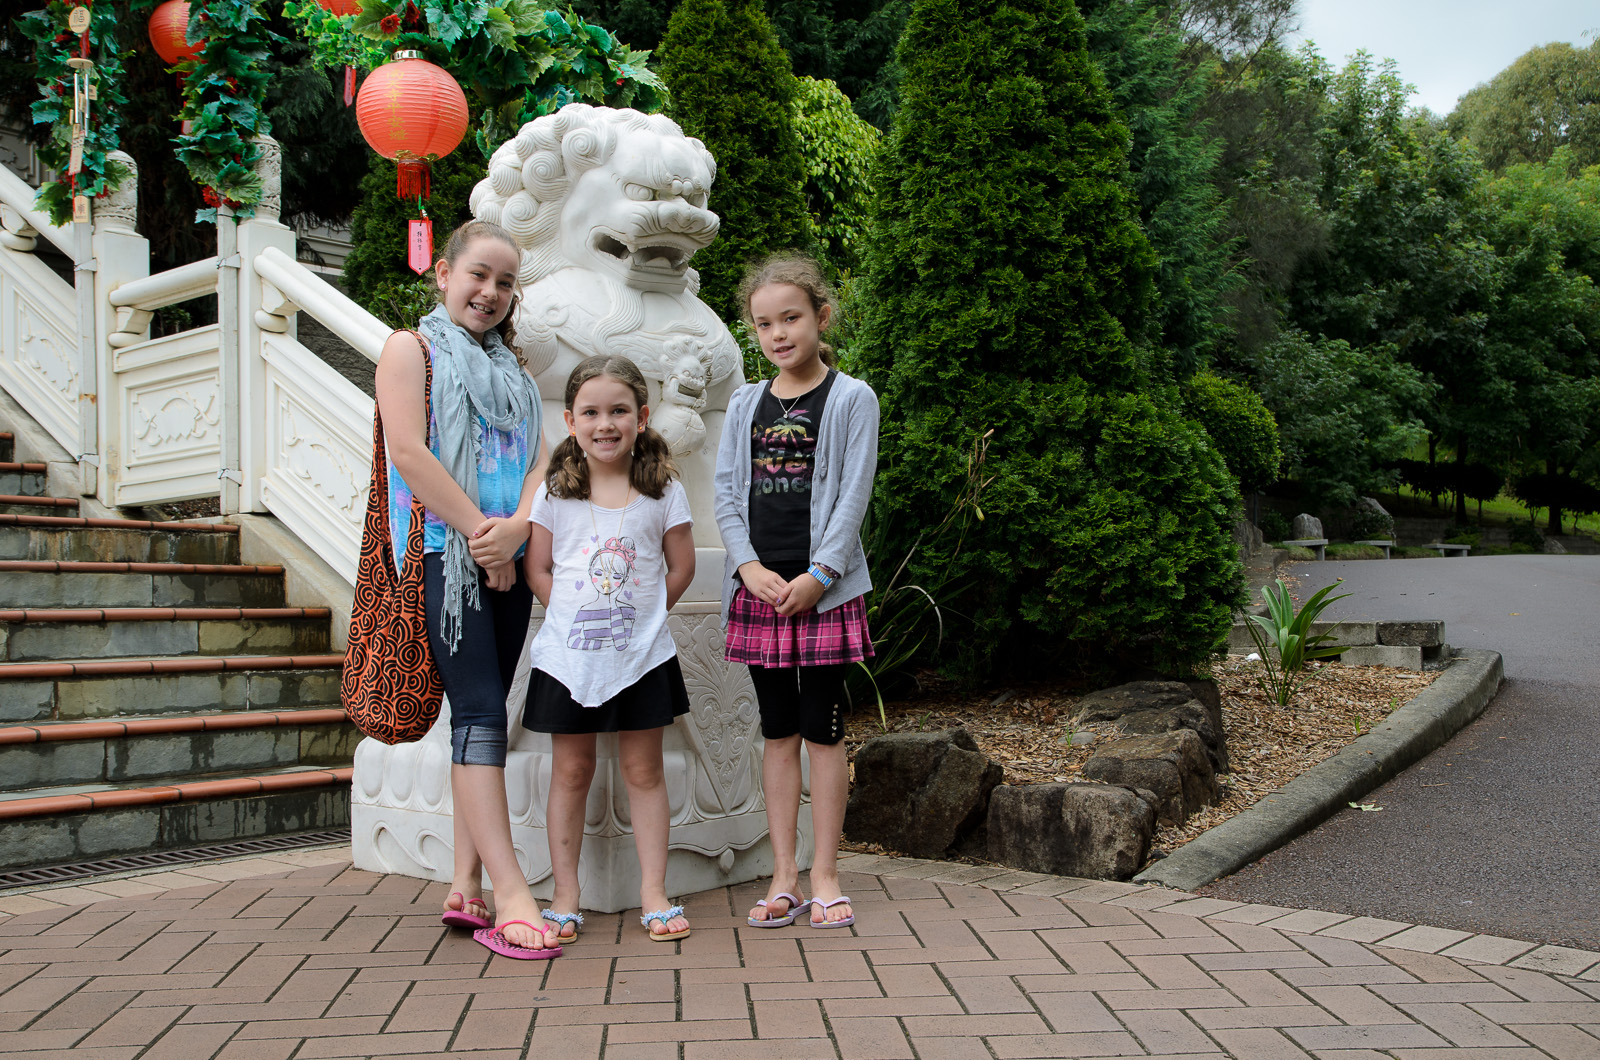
(391, 688)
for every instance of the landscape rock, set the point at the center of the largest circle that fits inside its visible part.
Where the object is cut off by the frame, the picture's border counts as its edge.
(1173, 765)
(1307, 527)
(921, 793)
(1093, 831)
(1552, 547)
(1148, 707)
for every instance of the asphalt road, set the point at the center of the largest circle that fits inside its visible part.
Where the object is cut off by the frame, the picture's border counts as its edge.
(1498, 831)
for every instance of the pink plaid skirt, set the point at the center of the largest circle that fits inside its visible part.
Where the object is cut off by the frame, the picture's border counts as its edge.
(759, 636)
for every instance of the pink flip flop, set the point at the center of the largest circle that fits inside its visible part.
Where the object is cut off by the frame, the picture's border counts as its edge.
(460, 918)
(796, 907)
(825, 906)
(493, 940)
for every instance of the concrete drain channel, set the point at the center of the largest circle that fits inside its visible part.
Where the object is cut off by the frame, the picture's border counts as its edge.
(53, 874)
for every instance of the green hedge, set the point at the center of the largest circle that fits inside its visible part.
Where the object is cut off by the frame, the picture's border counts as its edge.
(732, 88)
(1005, 267)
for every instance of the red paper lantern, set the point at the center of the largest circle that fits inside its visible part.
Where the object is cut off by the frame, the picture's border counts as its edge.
(341, 7)
(169, 32)
(413, 112)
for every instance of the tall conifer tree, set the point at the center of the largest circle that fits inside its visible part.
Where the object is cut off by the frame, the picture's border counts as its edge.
(732, 87)
(1006, 267)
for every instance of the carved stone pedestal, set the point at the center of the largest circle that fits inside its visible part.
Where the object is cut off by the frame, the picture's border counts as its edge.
(400, 813)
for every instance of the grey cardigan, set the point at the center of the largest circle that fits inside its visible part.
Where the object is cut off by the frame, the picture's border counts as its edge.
(841, 486)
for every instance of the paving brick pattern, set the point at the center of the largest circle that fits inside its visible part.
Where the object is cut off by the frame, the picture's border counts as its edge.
(297, 955)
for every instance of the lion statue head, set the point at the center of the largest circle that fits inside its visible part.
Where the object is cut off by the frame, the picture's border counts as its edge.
(609, 206)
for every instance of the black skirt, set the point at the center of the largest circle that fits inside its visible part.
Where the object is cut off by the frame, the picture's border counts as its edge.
(649, 703)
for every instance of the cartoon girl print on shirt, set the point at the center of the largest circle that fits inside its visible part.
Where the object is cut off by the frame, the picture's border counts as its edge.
(607, 620)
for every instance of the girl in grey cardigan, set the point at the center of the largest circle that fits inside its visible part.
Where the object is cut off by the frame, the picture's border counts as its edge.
(794, 477)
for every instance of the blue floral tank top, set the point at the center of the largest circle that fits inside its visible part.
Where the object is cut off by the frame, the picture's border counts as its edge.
(502, 467)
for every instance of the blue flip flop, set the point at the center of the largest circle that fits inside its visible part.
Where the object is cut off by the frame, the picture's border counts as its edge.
(561, 920)
(796, 907)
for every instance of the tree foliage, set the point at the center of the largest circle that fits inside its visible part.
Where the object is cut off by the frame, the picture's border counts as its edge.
(839, 148)
(1547, 99)
(1344, 414)
(1006, 268)
(732, 88)
(1239, 424)
(1139, 45)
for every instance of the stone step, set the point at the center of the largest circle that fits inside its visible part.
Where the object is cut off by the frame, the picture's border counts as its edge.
(26, 478)
(142, 749)
(8, 445)
(39, 634)
(80, 822)
(76, 690)
(149, 748)
(22, 504)
(54, 583)
(41, 537)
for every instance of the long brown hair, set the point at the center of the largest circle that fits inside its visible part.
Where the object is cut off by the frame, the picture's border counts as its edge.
(652, 469)
(457, 245)
(796, 270)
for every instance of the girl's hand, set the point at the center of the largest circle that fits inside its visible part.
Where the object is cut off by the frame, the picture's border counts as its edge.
(767, 586)
(500, 578)
(495, 542)
(800, 596)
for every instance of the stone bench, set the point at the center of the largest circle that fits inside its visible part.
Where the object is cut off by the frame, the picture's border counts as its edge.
(1451, 550)
(1385, 545)
(1319, 545)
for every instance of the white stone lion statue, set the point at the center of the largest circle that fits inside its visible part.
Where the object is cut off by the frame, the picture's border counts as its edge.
(609, 206)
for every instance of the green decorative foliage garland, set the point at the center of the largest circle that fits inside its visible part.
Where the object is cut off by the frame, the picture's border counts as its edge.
(55, 44)
(515, 59)
(224, 92)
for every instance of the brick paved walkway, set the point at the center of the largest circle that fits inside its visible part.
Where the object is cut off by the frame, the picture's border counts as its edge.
(946, 962)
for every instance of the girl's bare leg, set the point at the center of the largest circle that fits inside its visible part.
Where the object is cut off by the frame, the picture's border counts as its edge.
(780, 783)
(467, 876)
(645, 777)
(830, 788)
(570, 776)
(479, 793)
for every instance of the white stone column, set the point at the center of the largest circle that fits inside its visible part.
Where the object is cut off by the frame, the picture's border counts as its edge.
(120, 254)
(263, 311)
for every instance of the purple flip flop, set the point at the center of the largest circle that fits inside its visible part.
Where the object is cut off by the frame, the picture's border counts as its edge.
(460, 918)
(825, 906)
(796, 907)
(495, 942)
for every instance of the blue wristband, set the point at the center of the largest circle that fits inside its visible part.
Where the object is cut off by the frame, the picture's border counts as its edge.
(817, 572)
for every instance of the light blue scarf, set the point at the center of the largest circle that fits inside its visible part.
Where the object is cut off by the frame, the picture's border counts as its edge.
(472, 381)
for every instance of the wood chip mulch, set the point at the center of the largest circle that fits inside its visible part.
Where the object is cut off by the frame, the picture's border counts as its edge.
(1028, 730)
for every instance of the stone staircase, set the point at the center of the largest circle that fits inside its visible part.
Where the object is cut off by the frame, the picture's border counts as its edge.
(154, 692)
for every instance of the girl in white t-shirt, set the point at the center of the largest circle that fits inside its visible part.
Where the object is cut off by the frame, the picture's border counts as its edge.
(611, 552)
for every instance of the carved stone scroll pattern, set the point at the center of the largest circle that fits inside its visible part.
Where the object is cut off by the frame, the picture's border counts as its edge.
(169, 422)
(323, 464)
(723, 716)
(47, 352)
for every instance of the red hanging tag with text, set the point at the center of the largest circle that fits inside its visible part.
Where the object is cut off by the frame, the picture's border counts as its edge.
(349, 85)
(419, 245)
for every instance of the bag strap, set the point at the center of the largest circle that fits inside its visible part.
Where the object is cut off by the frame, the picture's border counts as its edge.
(378, 492)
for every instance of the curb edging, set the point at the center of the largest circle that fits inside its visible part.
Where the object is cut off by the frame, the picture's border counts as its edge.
(1434, 715)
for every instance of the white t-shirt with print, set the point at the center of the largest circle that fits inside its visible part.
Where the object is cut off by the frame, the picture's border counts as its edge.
(606, 625)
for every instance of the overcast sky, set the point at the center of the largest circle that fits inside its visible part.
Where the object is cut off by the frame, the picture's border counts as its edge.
(1444, 47)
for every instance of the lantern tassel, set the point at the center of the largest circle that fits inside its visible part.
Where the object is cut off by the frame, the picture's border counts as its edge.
(415, 179)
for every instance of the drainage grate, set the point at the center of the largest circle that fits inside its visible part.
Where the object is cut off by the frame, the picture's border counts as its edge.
(164, 858)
